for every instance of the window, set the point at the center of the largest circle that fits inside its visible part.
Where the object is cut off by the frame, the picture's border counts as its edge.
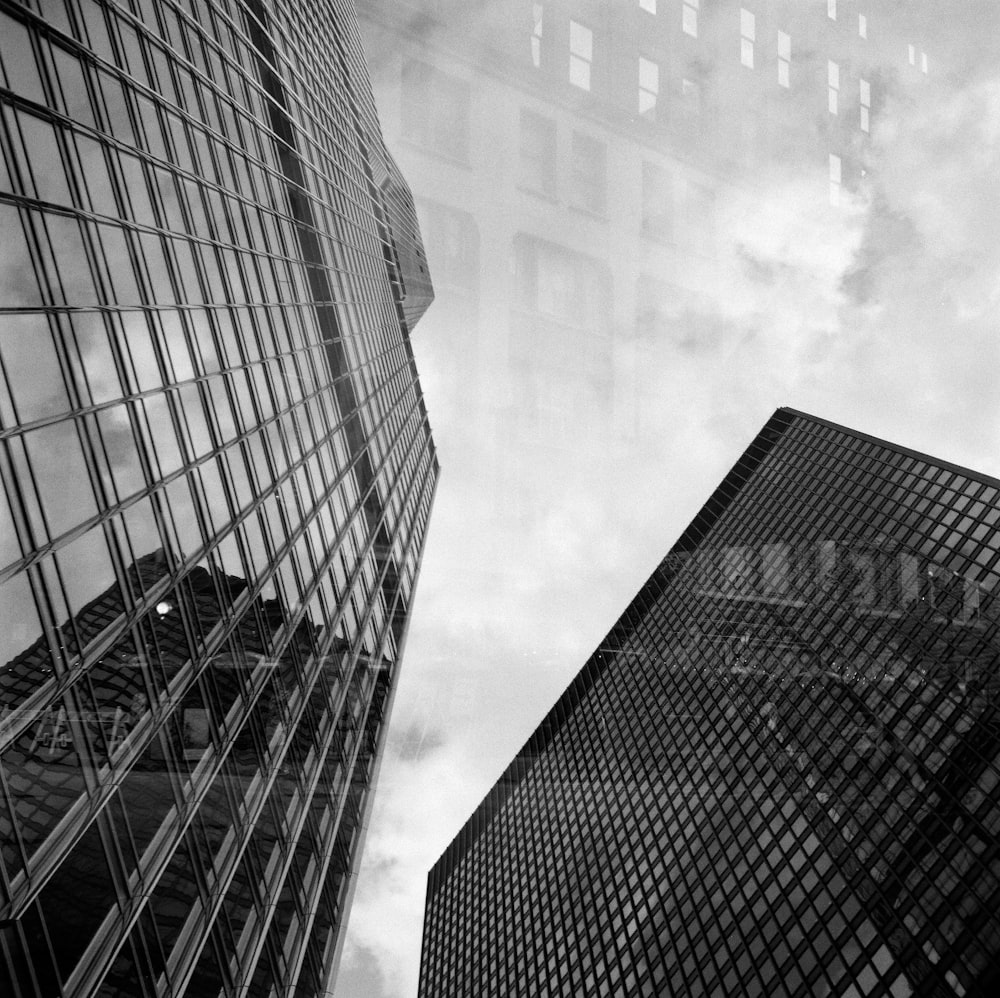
(436, 110)
(832, 86)
(831, 9)
(581, 55)
(689, 18)
(536, 35)
(657, 202)
(649, 5)
(748, 31)
(691, 95)
(913, 55)
(697, 203)
(453, 244)
(590, 169)
(862, 25)
(538, 153)
(866, 103)
(649, 86)
(558, 283)
(784, 59)
(923, 62)
(834, 179)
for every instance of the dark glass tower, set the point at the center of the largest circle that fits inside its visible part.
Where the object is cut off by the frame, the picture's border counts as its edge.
(215, 477)
(780, 772)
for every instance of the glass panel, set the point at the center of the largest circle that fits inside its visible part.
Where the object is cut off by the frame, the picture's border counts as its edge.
(89, 582)
(24, 650)
(77, 897)
(43, 772)
(45, 159)
(60, 472)
(18, 282)
(121, 447)
(70, 261)
(32, 366)
(174, 895)
(17, 58)
(119, 263)
(72, 85)
(28, 944)
(10, 550)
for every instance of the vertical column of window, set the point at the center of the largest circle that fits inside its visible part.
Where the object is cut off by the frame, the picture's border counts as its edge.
(649, 5)
(784, 59)
(538, 153)
(923, 63)
(691, 96)
(689, 18)
(835, 168)
(831, 9)
(589, 173)
(865, 97)
(862, 26)
(911, 54)
(537, 14)
(649, 87)
(832, 86)
(748, 32)
(657, 201)
(581, 54)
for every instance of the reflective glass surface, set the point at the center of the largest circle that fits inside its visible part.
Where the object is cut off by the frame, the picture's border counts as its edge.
(779, 774)
(216, 471)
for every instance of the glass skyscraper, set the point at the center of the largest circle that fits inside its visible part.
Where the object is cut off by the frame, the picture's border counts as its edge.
(779, 774)
(215, 477)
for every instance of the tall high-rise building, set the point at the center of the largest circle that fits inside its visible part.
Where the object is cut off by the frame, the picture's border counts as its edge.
(779, 774)
(216, 472)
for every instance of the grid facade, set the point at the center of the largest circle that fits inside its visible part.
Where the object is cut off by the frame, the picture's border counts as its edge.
(780, 772)
(216, 472)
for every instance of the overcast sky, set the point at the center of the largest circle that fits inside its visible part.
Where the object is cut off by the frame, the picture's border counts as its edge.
(884, 319)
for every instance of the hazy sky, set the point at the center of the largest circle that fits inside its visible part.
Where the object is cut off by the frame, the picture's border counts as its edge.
(884, 320)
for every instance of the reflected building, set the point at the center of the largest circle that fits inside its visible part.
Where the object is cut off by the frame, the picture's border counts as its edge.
(579, 164)
(779, 774)
(216, 471)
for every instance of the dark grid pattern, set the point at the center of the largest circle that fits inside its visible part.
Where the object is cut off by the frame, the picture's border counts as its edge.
(215, 477)
(779, 774)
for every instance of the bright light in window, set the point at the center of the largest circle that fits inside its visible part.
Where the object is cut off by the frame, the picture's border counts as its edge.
(649, 85)
(784, 59)
(862, 25)
(689, 18)
(748, 31)
(536, 34)
(581, 54)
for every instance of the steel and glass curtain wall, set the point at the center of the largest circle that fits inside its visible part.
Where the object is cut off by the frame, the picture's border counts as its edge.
(215, 477)
(780, 772)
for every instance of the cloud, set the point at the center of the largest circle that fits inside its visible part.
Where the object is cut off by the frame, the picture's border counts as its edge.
(879, 314)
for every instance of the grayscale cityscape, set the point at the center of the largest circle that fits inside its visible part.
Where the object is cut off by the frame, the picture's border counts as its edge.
(499, 498)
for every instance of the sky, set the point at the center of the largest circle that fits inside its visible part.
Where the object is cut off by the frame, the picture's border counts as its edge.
(882, 316)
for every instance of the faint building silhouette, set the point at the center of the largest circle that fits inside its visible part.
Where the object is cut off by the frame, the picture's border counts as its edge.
(579, 165)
